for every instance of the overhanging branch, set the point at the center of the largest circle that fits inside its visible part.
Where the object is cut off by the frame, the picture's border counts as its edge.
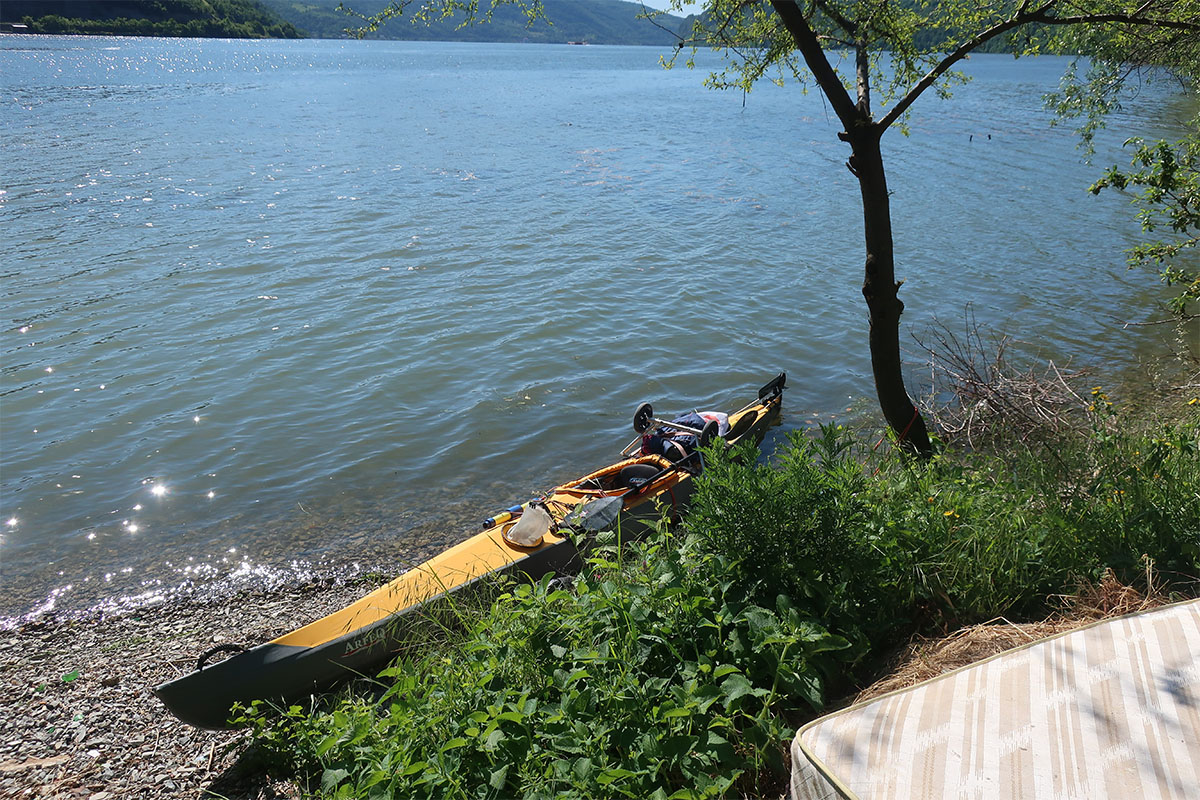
(1025, 17)
(946, 63)
(1123, 19)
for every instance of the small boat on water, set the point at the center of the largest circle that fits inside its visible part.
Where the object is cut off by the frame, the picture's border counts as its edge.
(548, 534)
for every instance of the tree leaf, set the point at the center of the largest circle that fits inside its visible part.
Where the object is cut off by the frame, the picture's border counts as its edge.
(331, 778)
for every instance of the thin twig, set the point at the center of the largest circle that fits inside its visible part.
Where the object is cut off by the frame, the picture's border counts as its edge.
(978, 391)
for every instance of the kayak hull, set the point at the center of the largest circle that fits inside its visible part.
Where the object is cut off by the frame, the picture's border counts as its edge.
(278, 672)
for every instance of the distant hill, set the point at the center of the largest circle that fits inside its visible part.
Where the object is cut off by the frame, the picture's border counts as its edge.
(591, 21)
(236, 19)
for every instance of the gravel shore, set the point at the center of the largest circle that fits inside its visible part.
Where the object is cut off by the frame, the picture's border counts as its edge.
(80, 720)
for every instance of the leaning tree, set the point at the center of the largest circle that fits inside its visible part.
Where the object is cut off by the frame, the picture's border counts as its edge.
(872, 59)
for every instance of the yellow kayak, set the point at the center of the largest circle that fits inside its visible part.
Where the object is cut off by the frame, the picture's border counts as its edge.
(528, 541)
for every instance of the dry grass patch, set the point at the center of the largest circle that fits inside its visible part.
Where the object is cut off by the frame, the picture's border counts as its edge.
(926, 658)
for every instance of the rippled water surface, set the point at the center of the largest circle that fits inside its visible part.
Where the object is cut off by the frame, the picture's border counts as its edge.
(271, 305)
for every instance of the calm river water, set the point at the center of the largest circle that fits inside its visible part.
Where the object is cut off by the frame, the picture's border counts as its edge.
(271, 307)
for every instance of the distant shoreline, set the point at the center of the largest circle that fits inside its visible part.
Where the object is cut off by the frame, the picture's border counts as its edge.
(150, 35)
(319, 39)
(618, 22)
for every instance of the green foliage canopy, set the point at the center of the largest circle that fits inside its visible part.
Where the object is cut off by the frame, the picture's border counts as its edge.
(1167, 179)
(1163, 176)
(898, 50)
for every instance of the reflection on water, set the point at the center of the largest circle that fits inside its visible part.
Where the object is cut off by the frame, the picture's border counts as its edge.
(270, 307)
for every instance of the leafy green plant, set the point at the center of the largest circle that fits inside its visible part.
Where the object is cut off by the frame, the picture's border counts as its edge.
(878, 547)
(679, 667)
(1166, 177)
(792, 527)
(652, 676)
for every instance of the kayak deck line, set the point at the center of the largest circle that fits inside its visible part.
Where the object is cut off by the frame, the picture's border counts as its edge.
(481, 554)
(367, 632)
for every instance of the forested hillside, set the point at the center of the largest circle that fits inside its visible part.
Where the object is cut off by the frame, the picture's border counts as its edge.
(236, 19)
(592, 21)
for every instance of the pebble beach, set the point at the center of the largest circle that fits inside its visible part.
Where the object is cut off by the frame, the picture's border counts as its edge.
(81, 720)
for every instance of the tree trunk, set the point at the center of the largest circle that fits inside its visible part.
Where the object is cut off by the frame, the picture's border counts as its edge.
(880, 291)
(866, 162)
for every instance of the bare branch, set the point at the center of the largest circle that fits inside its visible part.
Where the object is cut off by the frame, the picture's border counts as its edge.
(979, 394)
(651, 16)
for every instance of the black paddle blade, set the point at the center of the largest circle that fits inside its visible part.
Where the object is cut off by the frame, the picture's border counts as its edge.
(596, 515)
(642, 417)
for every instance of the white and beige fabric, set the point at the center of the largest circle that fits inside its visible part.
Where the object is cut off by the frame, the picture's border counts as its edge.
(1107, 711)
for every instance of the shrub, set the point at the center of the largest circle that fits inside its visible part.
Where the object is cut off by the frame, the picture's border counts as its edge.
(793, 527)
(879, 547)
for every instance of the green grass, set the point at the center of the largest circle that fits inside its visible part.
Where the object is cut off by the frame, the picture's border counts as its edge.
(680, 667)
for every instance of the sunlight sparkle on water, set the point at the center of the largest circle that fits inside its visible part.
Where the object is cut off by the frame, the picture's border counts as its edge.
(158, 490)
(12, 522)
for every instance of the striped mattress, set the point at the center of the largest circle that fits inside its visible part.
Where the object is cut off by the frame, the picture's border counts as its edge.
(1111, 710)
